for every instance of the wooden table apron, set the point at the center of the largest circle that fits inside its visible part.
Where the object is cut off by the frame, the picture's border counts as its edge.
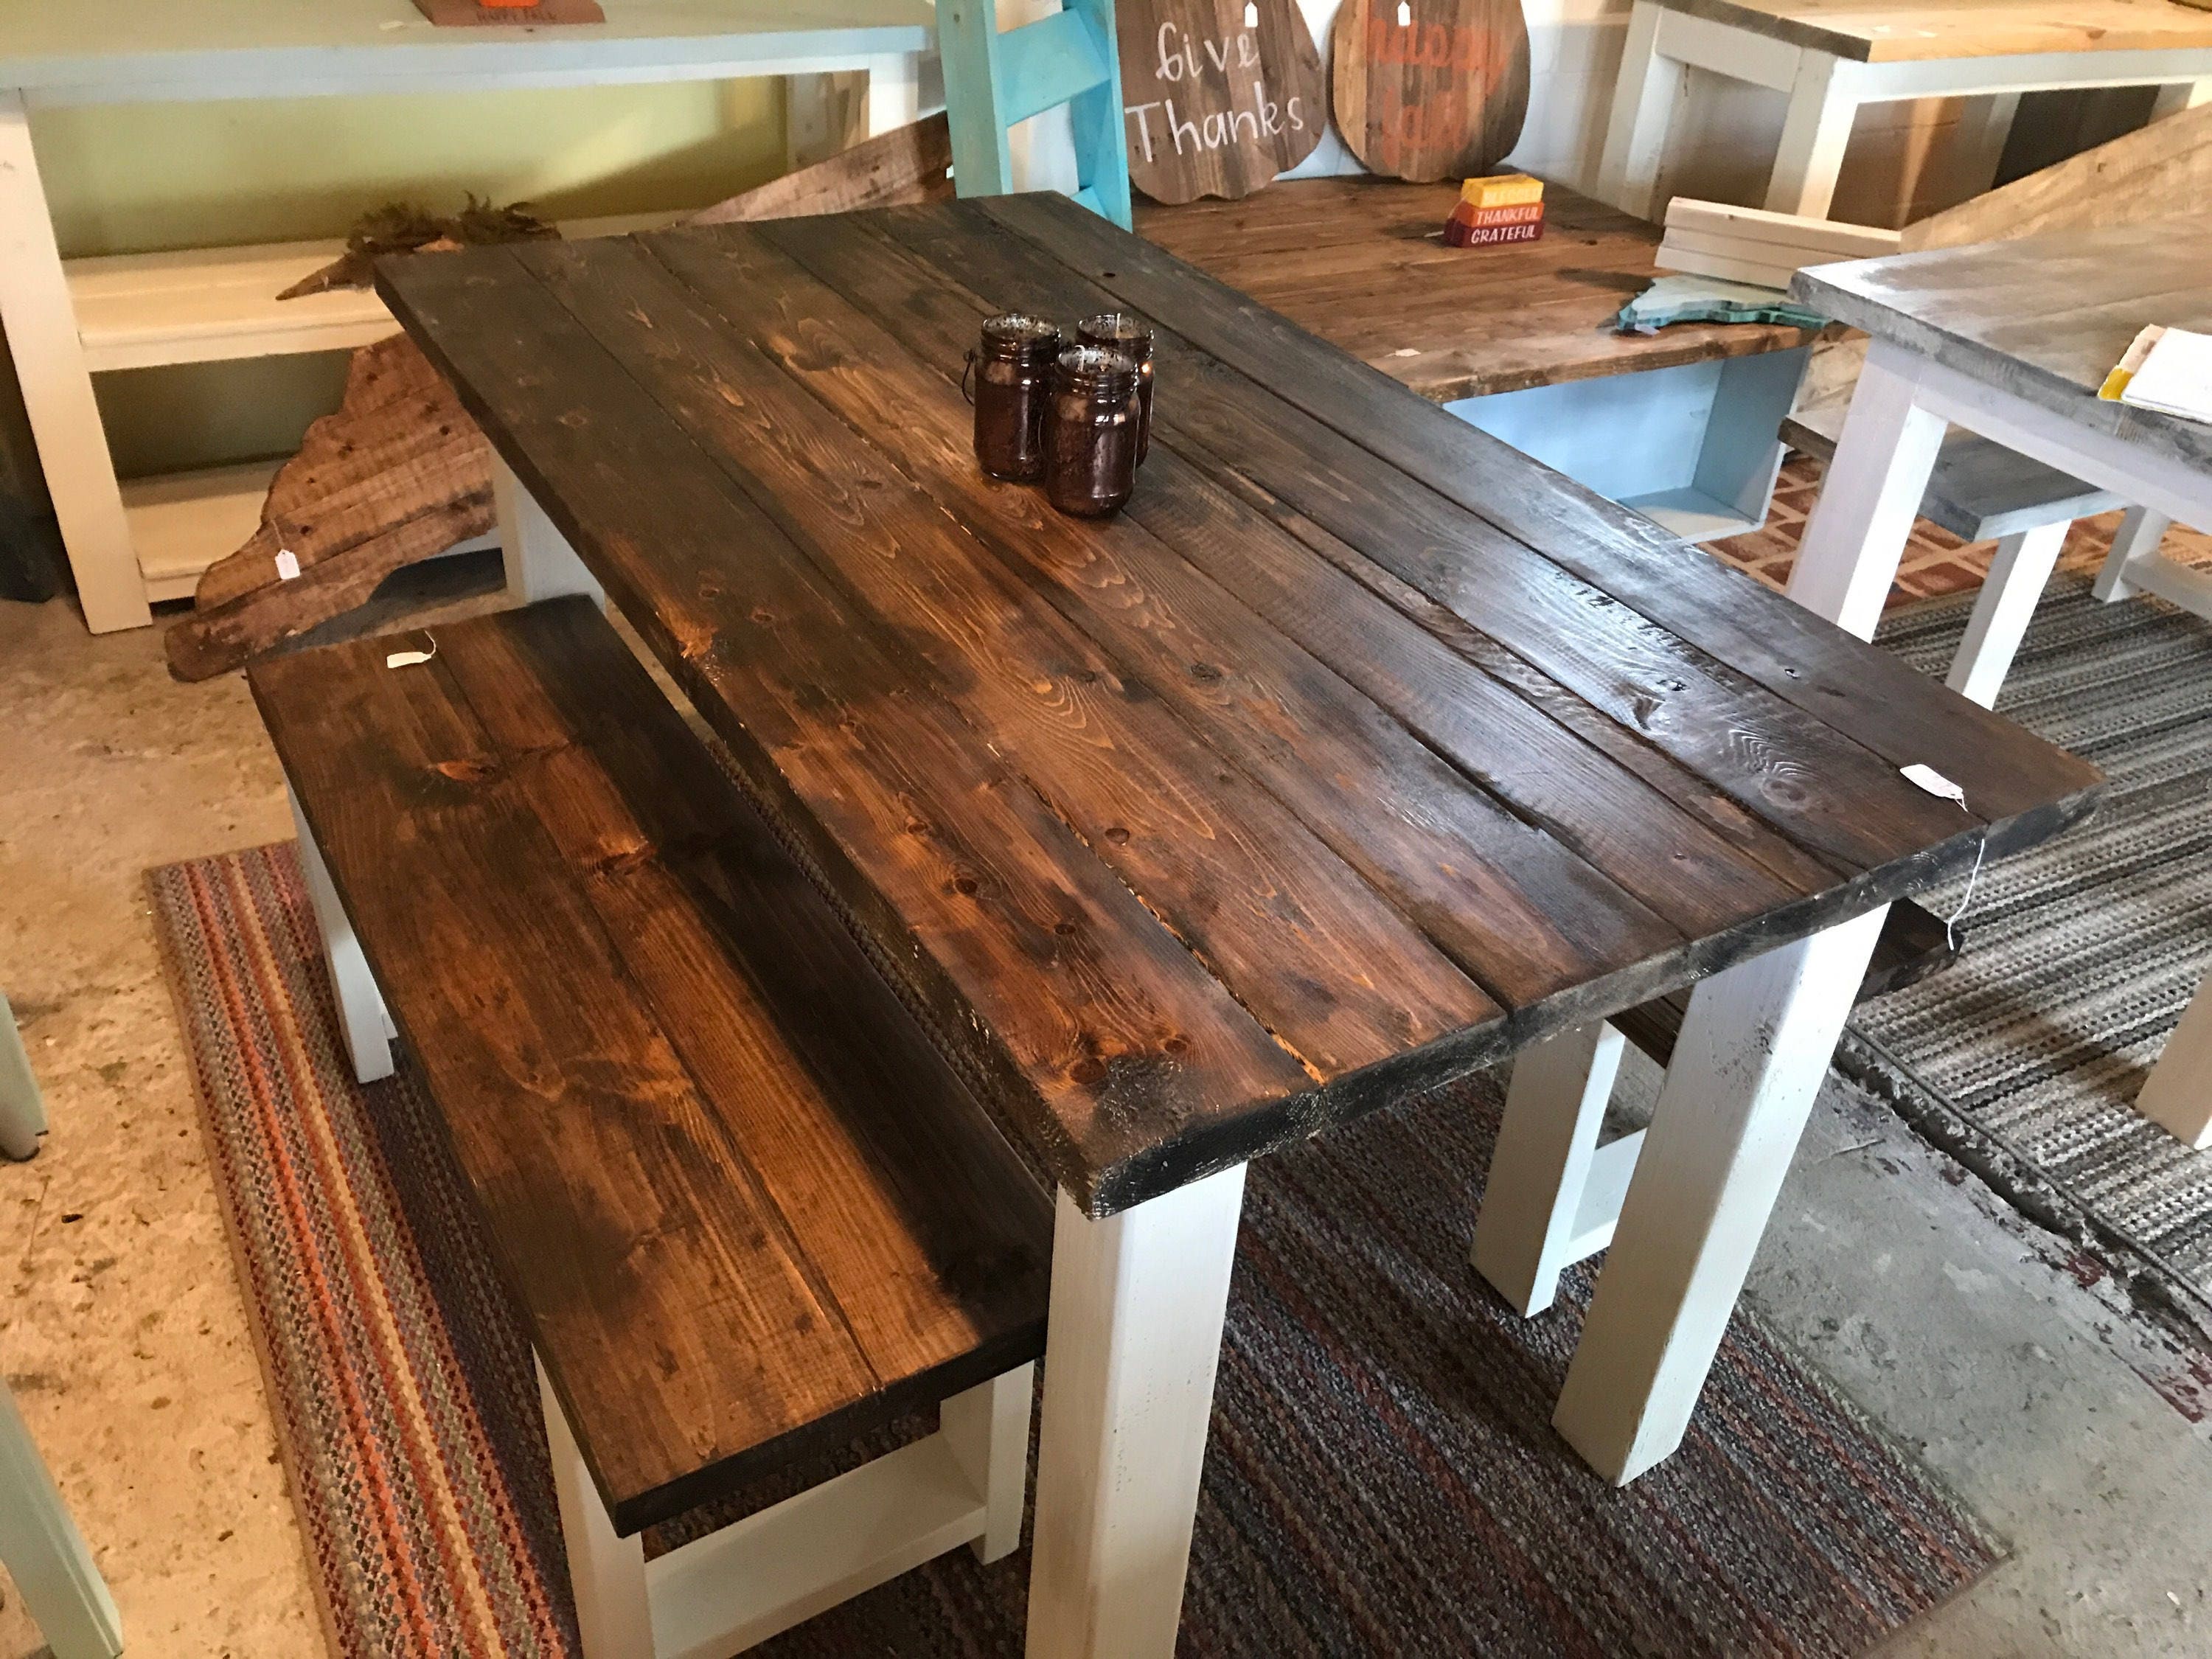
(1304, 786)
(1829, 59)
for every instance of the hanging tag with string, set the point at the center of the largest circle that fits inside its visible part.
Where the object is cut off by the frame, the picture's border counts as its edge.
(1928, 778)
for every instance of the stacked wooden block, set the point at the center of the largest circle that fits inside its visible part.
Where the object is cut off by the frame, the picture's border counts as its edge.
(1504, 207)
(1748, 245)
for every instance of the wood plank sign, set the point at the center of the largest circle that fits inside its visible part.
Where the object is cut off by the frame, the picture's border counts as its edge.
(1429, 90)
(1218, 96)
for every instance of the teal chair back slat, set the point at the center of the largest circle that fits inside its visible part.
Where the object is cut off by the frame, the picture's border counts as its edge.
(995, 80)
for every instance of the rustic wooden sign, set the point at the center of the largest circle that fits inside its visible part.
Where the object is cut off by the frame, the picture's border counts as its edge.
(1428, 90)
(1218, 95)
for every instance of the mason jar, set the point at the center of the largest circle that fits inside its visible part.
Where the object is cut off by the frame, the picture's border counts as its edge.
(1090, 432)
(1012, 370)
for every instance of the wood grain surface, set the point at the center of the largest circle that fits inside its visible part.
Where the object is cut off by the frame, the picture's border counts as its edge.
(1430, 90)
(2045, 317)
(1357, 752)
(1898, 30)
(1219, 95)
(1362, 263)
(745, 1208)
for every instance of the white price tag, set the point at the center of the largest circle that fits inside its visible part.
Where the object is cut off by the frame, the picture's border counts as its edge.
(1928, 778)
(288, 565)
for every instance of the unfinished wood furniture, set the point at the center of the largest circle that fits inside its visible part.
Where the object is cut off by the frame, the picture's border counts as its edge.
(46, 1555)
(1829, 57)
(995, 80)
(22, 1111)
(745, 1210)
(1518, 340)
(1750, 244)
(2011, 340)
(149, 540)
(1360, 753)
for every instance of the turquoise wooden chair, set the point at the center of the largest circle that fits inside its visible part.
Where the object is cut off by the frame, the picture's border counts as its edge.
(995, 80)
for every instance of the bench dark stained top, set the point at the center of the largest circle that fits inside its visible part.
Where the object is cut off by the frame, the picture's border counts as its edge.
(1362, 263)
(743, 1204)
(2045, 316)
(1359, 752)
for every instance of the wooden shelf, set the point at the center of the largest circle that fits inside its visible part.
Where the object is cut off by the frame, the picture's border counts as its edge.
(218, 304)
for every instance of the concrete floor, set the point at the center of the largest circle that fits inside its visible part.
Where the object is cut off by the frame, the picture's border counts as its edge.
(2063, 1416)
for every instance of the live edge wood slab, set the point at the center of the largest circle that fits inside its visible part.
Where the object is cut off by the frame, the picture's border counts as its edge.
(1362, 263)
(1358, 752)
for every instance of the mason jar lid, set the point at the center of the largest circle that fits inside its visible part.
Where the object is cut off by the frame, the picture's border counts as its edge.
(1122, 330)
(1098, 372)
(1018, 336)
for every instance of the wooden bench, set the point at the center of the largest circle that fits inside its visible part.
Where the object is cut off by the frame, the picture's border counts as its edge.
(746, 1212)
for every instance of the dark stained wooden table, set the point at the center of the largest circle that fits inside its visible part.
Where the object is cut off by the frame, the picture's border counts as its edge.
(1360, 752)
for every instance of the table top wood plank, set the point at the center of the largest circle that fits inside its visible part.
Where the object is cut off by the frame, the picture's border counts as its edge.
(1361, 264)
(1900, 31)
(1031, 960)
(2008, 772)
(1220, 862)
(114, 48)
(1425, 667)
(2044, 317)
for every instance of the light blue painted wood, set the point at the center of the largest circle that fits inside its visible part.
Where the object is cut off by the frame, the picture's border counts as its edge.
(993, 81)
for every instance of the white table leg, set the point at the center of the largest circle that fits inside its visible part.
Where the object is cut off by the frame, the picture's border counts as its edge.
(1869, 497)
(607, 1570)
(2003, 609)
(1754, 1047)
(2182, 94)
(22, 1108)
(42, 333)
(1645, 99)
(46, 1555)
(1138, 1302)
(1814, 136)
(2177, 1095)
(2140, 534)
(538, 559)
(1541, 1208)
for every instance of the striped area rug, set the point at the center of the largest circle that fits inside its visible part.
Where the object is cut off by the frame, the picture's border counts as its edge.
(1382, 1478)
(2082, 952)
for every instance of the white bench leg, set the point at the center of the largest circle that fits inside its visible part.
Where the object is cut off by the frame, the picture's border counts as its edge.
(1869, 498)
(1138, 1302)
(1754, 1047)
(22, 1111)
(362, 1013)
(538, 562)
(1547, 1204)
(2177, 1095)
(46, 1555)
(605, 1569)
(2181, 95)
(2139, 539)
(2018, 571)
(42, 333)
(988, 1431)
(1814, 135)
(1645, 98)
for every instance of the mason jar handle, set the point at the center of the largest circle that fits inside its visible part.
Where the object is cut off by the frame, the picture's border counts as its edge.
(965, 371)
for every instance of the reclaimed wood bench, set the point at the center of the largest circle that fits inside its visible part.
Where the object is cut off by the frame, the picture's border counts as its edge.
(745, 1210)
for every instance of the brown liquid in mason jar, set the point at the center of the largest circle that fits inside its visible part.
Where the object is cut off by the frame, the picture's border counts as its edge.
(1012, 367)
(1090, 432)
(1130, 335)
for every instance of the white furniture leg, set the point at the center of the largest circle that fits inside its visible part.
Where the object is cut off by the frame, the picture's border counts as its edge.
(1868, 499)
(1754, 1046)
(2177, 1095)
(362, 1013)
(1138, 1302)
(42, 334)
(1554, 1194)
(22, 1110)
(605, 1569)
(1645, 98)
(2003, 609)
(2137, 542)
(1814, 135)
(538, 562)
(46, 1555)
(988, 1429)
(2183, 94)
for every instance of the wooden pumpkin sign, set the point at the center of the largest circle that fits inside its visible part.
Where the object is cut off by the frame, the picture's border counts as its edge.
(1218, 96)
(1428, 90)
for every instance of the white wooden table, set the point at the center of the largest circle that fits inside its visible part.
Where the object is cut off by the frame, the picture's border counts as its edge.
(131, 545)
(1829, 59)
(2011, 340)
